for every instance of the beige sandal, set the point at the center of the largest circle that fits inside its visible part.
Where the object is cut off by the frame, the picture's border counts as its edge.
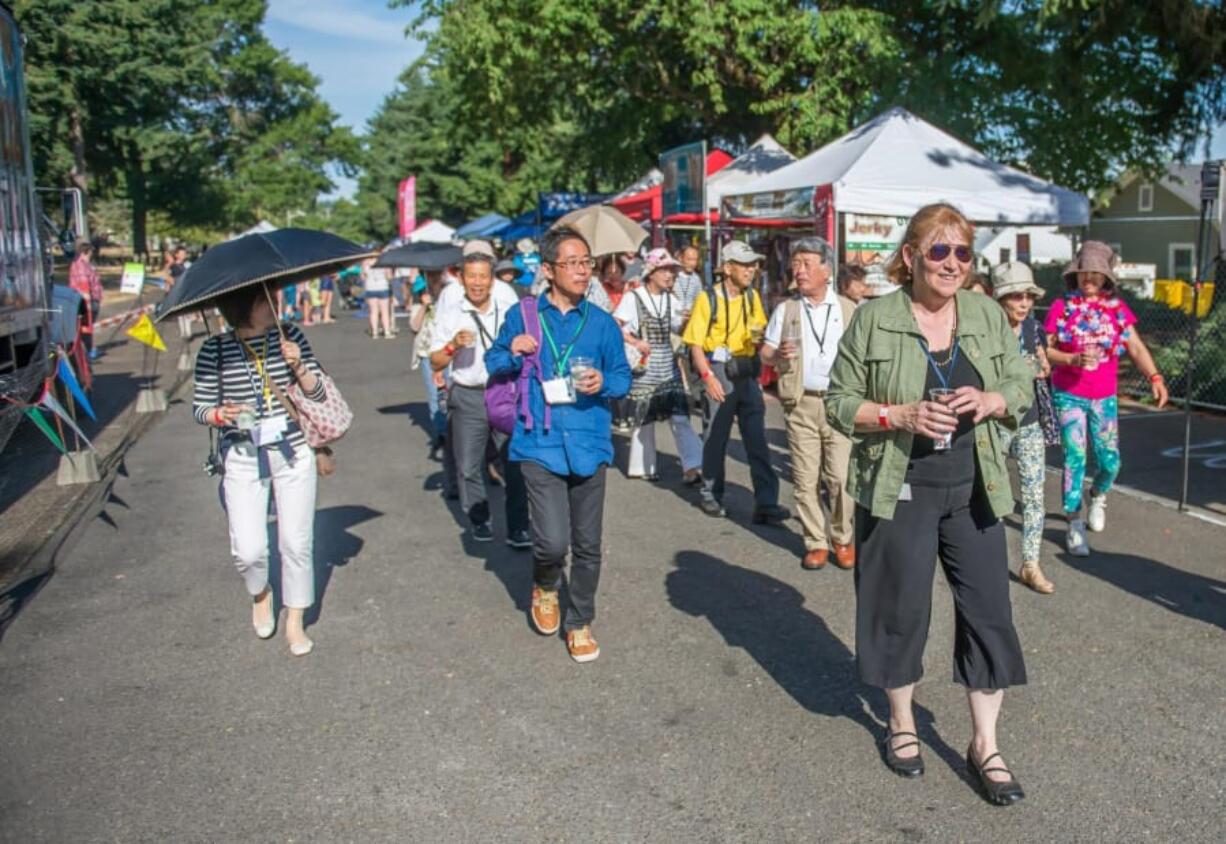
(1032, 576)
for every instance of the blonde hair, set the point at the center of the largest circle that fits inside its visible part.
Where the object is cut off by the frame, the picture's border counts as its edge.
(936, 217)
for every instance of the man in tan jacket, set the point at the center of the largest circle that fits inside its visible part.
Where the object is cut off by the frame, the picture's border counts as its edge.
(802, 341)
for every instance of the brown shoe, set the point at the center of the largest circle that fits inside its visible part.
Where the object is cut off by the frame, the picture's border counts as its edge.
(845, 556)
(1032, 576)
(815, 559)
(546, 616)
(582, 646)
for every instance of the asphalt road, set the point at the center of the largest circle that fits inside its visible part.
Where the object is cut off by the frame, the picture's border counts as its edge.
(138, 705)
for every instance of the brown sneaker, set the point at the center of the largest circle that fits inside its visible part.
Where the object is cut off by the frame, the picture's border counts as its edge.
(546, 617)
(815, 559)
(844, 556)
(582, 646)
(1032, 576)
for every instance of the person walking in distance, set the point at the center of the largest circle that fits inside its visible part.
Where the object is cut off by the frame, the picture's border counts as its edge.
(689, 282)
(462, 336)
(377, 293)
(802, 341)
(83, 278)
(565, 440)
(723, 334)
(1088, 331)
(853, 283)
(650, 316)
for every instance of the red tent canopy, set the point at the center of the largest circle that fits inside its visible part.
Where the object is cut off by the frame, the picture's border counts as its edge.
(649, 204)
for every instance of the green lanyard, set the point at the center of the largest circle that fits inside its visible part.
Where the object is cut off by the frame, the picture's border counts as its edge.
(559, 358)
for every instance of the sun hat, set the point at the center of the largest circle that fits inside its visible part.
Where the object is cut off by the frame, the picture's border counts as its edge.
(659, 259)
(479, 247)
(525, 246)
(738, 252)
(506, 265)
(1094, 256)
(1014, 277)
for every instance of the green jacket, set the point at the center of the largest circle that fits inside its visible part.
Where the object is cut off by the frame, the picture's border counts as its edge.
(880, 361)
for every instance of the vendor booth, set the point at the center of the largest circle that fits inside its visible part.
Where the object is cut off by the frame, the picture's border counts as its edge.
(859, 191)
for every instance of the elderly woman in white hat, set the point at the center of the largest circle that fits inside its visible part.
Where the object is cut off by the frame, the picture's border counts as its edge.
(650, 316)
(1014, 289)
(1088, 331)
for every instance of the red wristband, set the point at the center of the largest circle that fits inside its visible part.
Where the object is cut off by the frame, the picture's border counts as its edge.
(883, 416)
(449, 350)
(1156, 377)
(706, 375)
(218, 419)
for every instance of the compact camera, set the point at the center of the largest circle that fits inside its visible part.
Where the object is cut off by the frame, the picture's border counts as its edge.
(212, 466)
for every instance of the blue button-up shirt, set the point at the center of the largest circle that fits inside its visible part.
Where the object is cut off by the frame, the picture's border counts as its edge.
(579, 438)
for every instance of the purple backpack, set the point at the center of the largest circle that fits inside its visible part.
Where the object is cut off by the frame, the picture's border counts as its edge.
(506, 396)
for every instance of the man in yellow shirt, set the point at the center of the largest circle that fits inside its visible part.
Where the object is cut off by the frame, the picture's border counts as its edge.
(724, 351)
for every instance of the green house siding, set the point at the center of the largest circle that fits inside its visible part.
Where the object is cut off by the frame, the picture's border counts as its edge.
(1143, 236)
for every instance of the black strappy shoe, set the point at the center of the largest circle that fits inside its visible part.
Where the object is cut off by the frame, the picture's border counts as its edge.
(999, 793)
(912, 766)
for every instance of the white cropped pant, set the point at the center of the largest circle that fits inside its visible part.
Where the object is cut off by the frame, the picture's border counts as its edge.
(246, 496)
(643, 446)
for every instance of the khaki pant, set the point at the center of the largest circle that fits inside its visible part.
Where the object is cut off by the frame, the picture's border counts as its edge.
(820, 459)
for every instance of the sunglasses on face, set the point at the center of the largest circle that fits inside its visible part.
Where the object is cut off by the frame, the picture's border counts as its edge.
(940, 251)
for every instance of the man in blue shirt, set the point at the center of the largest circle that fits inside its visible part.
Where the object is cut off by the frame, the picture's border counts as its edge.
(565, 451)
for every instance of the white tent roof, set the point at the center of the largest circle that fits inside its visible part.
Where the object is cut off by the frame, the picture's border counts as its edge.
(432, 232)
(650, 179)
(764, 156)
(897, 163)
(262, 227)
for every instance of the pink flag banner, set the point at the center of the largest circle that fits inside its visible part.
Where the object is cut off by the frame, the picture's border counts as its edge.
(407, 205)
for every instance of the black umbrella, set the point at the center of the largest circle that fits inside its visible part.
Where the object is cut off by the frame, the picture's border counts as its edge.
(275, 258)
(424, 256)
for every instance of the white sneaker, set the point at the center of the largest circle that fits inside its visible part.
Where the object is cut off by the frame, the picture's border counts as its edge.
(1097, 518)
(1075, 541)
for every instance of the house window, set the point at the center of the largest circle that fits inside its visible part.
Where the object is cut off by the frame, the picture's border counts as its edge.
(1182, 260)
(1023, 248)
(1004, 255)
(1145, 198)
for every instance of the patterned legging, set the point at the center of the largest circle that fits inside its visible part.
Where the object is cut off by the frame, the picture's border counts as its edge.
(1101, 416)
(1027, 447)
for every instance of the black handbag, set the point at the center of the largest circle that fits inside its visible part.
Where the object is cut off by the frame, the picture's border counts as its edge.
(1043, 401)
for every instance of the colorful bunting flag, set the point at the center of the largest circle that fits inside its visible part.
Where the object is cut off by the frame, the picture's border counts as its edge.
(144, 332)
(70, 381)
(36, 417)
(52, 403)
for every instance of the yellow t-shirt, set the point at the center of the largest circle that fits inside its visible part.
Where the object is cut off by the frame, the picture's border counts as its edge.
(747, 314)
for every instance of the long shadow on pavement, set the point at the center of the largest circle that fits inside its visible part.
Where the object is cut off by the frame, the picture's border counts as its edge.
(766, 618)
(17, 596)
(1193, 595)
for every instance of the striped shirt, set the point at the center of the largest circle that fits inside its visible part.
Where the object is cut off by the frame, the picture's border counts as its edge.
(240, 379)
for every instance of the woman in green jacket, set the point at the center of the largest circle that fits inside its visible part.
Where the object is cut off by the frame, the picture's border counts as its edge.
(923, 381)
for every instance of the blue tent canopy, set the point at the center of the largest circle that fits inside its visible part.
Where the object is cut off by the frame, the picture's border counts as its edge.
(486, 226)
(522, 226)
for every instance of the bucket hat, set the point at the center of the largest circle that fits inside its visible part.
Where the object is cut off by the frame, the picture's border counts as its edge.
(479, 247)
(1014, 277)
(1094, 256)
(659, 259)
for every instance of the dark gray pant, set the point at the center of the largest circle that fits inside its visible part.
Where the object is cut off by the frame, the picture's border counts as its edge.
(895, 562)
(567, 511)
(470, 434)
(742, 401)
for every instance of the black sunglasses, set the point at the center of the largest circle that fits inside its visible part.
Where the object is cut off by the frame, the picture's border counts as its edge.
(940, 251)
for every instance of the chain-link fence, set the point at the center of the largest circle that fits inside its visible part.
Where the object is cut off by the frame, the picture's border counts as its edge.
(1167, 327)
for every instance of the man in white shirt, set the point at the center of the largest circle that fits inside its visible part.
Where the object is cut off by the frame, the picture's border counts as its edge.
(689, 282)
(463, 333)
(802, 340)
(503, 294)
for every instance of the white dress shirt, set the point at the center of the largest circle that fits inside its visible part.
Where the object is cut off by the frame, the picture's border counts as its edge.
(451, 295)
(468, 364)
(821, 328)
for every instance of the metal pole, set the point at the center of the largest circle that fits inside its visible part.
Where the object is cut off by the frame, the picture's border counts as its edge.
(1210, 184)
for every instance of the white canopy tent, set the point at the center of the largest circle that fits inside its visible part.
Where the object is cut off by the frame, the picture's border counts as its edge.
(764, 156)
(262, 227)
(896, 164)
(432, 232)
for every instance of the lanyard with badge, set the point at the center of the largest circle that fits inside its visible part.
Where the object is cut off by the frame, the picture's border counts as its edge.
(820, 338)
(723, 354)
(487, 339)
(271, 430)
(561, 388)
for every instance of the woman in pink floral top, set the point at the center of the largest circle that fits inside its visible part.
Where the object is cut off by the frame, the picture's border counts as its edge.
(1088, 331)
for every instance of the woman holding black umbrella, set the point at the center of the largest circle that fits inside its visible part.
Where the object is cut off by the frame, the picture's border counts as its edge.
(238, 376)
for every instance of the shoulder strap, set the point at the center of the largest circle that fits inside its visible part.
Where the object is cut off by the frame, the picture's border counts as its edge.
(848, 308)
(714, 312)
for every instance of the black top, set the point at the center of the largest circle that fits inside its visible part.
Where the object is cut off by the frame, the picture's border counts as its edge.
(1029, 341)
(956, 465)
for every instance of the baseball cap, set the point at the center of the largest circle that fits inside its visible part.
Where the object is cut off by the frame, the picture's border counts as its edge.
(738, 252)
(478, 247)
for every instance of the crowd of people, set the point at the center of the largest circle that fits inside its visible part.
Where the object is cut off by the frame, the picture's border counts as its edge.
(901, 412)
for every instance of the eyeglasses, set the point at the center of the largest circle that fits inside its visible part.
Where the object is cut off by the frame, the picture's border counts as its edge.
(574, 264)
(940, 251)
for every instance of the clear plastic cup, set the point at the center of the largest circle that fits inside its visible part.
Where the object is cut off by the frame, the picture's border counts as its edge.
(942, 395)
(579, 367)
(1095, 354)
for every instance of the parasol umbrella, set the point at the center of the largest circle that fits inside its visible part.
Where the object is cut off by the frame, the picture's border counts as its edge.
(606, 229)
(273, 259)
(423, 255)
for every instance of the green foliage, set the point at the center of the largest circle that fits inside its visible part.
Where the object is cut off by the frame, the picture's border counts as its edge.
(177, 106)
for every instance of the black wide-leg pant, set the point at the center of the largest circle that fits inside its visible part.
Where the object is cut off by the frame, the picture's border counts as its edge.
(895, 562)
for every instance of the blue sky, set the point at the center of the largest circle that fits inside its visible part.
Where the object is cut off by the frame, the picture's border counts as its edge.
(357, 48)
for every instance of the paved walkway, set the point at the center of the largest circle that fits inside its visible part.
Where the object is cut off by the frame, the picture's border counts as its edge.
(140, 706)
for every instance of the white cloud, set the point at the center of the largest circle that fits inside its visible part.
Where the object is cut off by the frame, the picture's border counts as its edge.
(340, 20)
